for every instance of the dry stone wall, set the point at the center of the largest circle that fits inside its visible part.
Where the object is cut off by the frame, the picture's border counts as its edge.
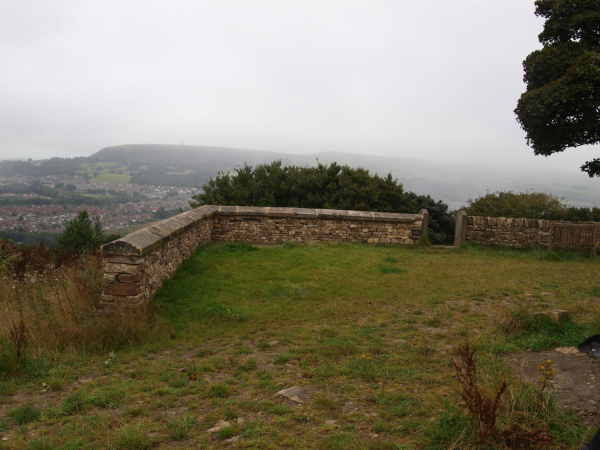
(317, 226)
(137, 264)
(504, 231)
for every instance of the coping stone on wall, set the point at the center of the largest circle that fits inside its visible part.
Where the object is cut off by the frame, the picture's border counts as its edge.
(304, 213)
(331, 214)
(394, 217)
(360, 215)
(138, 243)
(163, 229)
(180, 222)
(227, 209)
(201, 212)
(252, 211)
(280, 212)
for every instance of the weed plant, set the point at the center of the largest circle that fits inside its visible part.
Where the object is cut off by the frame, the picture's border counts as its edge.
(48, 304)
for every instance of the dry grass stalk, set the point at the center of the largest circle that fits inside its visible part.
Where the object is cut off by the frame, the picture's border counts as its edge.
(55, 309)
(18, 337)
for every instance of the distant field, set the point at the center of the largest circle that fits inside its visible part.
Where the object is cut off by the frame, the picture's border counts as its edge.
(132, 228)
(93, 195)
(100, 164)
(111, 178)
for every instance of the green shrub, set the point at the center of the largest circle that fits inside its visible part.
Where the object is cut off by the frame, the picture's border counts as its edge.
(282, 358)
(218, 390)
(538, 332)
(179, 429)
(132, 437)
(25, 414)
(226, 433)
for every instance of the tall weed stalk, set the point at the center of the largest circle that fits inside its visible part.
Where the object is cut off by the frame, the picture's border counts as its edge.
(50, 304)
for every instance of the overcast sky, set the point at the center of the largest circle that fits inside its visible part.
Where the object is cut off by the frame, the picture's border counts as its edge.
(432, 79)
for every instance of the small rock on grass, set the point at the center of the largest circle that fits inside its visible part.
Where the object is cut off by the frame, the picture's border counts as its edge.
(297, 394)
(569, 351)
(219, 426)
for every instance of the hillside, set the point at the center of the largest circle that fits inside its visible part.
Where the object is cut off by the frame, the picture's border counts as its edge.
(452, 184)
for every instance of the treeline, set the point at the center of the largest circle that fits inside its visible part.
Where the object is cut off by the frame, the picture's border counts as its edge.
(73, 200)
(52, 166)
(529, 205)
(63, 195)
(24, 237)
(325, 186)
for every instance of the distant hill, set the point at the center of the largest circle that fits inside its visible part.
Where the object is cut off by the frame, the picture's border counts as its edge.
(188, 157)
(452, 184)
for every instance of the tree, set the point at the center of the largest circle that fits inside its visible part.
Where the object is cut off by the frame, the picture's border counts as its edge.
(81, 234)
(324, 186)
(561, 107)
(529, 205)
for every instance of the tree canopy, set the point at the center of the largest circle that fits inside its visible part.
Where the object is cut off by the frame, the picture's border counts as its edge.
(325, 186)
(82, 234)
(561, 107)
(529, 205)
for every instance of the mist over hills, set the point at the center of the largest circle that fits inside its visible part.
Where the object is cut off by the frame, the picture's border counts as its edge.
(453, 184)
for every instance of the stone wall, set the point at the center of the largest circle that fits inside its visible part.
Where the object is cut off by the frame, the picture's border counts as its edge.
(503, 231)
(311, 225)
(137, 264)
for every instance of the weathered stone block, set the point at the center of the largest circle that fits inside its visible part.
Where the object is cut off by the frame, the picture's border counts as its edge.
(124, 259)
(122, 268)
(130, 277)
(121, 288)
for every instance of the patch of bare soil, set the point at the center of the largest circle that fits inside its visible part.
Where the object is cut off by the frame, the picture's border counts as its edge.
(576, 382)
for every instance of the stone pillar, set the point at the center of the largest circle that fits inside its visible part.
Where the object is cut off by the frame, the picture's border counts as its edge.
(425, 226)
(123, 283)
(460, 233)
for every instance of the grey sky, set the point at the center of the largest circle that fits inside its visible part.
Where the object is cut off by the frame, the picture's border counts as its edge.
(432, 79)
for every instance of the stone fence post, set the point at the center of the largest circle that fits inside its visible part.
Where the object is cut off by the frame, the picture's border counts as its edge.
(425, 226)
(460, 233)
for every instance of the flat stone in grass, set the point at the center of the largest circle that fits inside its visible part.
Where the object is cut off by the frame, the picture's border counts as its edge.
(297, 394)
(557, 315)
(218, 426)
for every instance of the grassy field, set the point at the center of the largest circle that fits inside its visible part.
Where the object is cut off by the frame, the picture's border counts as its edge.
(111, 178)
(371, 331)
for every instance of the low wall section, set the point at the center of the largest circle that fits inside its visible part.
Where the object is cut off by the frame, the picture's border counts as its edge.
(500, 230)
(137, 264)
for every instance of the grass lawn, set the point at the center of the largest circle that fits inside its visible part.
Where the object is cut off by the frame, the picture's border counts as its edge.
(86, 194)
(370, 331)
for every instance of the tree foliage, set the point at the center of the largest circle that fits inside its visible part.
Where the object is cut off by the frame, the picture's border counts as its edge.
(325, 186)
(82, 234)
(529, 205)
(561, 107)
